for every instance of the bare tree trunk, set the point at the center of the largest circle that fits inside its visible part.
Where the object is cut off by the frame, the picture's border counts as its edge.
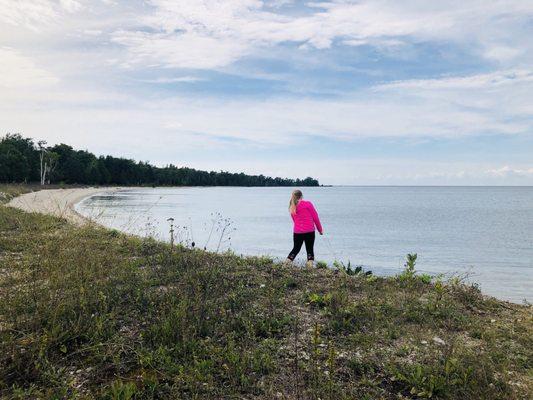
(45, 171)
(49, 171)
(42, 148)
(42, 170)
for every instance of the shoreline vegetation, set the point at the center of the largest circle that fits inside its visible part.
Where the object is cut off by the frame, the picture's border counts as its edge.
(88, 312)
(22, 160)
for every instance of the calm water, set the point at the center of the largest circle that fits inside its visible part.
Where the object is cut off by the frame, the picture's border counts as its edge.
(484, 232)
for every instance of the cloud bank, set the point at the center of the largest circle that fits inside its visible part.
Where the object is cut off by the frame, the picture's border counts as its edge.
(274, 76)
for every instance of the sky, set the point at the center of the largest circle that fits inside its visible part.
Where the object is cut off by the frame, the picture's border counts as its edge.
(369, 92)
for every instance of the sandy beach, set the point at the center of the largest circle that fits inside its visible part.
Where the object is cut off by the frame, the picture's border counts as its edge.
(57, 202)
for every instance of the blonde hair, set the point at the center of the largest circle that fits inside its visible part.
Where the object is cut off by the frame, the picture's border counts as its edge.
(296, 196)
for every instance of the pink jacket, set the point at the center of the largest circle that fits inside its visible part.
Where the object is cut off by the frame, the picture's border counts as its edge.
(306, 218)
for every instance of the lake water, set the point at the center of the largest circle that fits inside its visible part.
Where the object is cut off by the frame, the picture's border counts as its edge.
(483, 232)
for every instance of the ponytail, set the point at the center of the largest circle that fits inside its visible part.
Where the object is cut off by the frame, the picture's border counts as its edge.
(296, 196)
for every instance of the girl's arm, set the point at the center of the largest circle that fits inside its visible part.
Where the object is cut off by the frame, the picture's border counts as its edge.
(315, 218)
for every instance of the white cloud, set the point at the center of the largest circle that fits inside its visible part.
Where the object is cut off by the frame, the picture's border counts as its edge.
(369, 114)
(212, 34)
(178, 79)
(92, 32)
(506, 171)
(493, 79)
(33, 14)
(503, 53)
(71, 6)
(185, 50)
(27, 13)
(498, 102)
(17, 71)
(168, 130)
(220, 33)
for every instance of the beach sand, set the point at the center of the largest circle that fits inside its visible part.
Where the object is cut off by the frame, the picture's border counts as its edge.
(57, 202)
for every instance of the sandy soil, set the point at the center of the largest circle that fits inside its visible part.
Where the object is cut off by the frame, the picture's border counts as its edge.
(58, 202)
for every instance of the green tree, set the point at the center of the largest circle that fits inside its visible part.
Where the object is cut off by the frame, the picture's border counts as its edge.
(18, 159)
(22, 161)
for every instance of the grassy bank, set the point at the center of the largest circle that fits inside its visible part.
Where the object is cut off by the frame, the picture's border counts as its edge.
(8, 191)
(91, 313)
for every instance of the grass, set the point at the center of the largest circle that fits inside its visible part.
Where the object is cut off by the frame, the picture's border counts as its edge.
(87, 312)
(8, 191)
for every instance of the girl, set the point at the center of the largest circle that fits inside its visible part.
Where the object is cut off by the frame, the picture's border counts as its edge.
(305, 219)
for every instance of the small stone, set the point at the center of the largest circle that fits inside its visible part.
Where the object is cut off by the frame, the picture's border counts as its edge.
(262, 285)
(424, 342)
(438, 340)
(492, 321)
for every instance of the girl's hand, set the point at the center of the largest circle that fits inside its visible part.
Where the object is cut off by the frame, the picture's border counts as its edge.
(321, 233)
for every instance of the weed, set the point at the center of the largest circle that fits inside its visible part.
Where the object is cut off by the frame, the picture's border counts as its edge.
(120, 390)
(409, 271)
(349, 270)
(319, 300)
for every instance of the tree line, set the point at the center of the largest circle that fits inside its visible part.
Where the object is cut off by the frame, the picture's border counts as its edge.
(23, 160)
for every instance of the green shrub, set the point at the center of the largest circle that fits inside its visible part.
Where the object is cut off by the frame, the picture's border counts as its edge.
(409, 271)
(120, 390)
(319, 300)
(349, 270)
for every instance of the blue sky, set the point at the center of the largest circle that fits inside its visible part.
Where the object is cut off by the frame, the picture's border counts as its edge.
(351, 92)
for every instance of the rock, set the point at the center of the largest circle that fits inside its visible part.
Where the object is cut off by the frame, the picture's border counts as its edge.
(438, 340)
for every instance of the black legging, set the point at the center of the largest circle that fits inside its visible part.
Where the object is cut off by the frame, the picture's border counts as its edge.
(299, 239)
